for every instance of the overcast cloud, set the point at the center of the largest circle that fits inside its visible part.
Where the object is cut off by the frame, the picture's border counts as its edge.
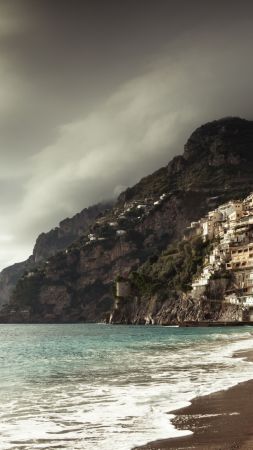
(92, 98)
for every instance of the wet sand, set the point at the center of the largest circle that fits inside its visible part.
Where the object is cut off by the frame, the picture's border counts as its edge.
(220, 421)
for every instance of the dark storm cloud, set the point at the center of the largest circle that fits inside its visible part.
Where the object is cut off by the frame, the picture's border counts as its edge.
(95, 94)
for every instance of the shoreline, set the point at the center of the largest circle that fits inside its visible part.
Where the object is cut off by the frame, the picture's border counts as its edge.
(219, 421)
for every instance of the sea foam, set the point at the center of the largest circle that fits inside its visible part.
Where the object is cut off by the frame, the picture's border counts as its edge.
(94, 387)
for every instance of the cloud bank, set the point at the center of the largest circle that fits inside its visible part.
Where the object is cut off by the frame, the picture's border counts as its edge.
(60, 165)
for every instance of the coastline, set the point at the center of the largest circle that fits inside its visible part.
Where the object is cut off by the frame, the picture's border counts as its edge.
(219, 421)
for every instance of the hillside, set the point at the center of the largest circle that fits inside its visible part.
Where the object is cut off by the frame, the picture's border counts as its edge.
(206, 276)
(137, 239)
(47, 245)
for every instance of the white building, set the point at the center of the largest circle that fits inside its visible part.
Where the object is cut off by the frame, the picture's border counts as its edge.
(120, 232)
(248, 201)
(233, 299)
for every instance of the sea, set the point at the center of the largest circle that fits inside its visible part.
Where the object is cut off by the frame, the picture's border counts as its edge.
(105, 387)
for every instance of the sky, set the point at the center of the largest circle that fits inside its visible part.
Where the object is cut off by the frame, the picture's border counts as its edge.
(95, 94)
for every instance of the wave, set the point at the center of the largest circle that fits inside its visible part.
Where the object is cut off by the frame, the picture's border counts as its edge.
(93, 392)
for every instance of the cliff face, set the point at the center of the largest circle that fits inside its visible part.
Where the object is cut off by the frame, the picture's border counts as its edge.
(8, 279)
(218, 152)
(47, 245)
(65, 290)
(70, 229)
(132, 239)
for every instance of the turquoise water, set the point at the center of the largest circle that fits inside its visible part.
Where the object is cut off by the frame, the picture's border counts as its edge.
(101, 387)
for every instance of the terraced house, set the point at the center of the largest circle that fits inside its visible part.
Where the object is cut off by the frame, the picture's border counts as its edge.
(230, 230)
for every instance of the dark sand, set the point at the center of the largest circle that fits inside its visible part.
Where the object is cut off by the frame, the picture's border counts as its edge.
(220, 421)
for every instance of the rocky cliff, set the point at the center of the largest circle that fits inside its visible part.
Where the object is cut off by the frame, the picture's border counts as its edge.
(47, 245)
(139, 239)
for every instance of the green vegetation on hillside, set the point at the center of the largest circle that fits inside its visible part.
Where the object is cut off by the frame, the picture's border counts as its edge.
(173, 270)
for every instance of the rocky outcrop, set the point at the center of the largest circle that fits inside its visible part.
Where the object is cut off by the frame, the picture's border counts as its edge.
(9, 278)
(48, 244)
(225, 141)
(173, 311)
(69, 230)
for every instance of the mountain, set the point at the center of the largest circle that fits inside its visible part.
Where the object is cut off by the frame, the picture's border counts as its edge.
(120, 269)
(48, 244)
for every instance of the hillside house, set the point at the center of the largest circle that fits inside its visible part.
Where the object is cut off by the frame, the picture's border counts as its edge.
(120, 232)
(233, 299)
(123, 288)
(248, 202)
(194, 230)
(113, 224)
(207, 229)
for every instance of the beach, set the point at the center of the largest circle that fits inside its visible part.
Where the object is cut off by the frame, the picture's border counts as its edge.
(219, 421)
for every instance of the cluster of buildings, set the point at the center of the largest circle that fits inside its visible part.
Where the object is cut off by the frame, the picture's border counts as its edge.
(230, 229)
(123, 218)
